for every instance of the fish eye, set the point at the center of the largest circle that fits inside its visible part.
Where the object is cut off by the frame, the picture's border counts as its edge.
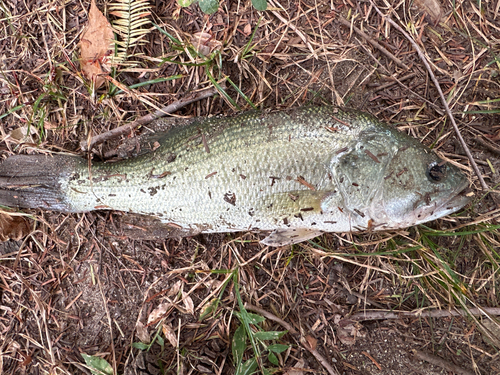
(436, 171)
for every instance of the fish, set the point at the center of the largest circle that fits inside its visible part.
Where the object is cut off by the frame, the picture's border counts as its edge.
(294, 173)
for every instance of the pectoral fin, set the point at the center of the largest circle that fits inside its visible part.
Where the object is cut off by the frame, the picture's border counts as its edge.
(289, 236)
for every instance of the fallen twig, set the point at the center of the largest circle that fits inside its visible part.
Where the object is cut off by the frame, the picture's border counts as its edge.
(385, 315)
(389, 84)
(125, 129)
(299, 33)
(489, 146)
(437, 361)
(400, 81)
(397, 61)
(293, 331)
(105, 304)
(441, 95)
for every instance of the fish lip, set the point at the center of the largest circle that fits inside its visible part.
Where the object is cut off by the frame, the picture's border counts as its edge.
(460, 194)
(458, 199)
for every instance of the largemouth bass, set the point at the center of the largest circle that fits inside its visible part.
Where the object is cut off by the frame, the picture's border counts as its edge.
(297, 173)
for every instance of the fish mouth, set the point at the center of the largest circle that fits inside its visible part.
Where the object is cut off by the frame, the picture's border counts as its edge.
(459, 198)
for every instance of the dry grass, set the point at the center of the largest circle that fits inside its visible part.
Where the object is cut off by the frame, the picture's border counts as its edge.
(78, 284)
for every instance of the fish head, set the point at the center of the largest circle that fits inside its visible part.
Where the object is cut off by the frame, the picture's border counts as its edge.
(389, 180)
(417, 186)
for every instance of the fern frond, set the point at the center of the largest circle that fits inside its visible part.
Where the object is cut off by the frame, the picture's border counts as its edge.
(131, 24)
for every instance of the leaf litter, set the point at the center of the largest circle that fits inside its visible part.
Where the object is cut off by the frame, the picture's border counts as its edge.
(13, 226)
(96, 47)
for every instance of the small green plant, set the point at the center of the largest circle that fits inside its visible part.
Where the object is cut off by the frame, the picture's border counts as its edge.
(211, 6)
(97, 365)
(212, 63)
(157, 338)
(250, 331)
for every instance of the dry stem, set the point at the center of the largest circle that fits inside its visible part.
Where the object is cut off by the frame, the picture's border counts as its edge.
(441, 95)
(437, 361)
(383, 315)
(397, 61)
(125, 129)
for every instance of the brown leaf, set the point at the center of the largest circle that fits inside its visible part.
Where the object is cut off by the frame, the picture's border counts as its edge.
(204, 43)
(169, 334)
(159, 312)
(142, 333)
(12, 227)
(96, 46)
(432, 8)
(188, 303)
(247, 30)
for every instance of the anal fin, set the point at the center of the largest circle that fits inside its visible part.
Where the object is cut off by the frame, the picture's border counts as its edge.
(290, 236)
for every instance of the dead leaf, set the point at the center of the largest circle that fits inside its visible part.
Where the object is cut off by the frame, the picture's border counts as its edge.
(432, 8)
(298, 368)
(205, 43)
(188, 303)
(174, 289)
(13, 227)
(159, 312)
(142, 333)
(96, 45)
(169, 335)
(247, 30)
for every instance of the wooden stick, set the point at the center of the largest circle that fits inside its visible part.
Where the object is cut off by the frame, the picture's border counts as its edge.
(127, 128)
(383, 315)
(437, 361)
(299, 33)
(438, 87)
(398, 62)
(489, 146)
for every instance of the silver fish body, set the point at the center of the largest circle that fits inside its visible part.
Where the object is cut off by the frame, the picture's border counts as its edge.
(298, 173)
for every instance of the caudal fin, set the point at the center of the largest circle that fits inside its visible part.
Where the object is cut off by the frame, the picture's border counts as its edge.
(34, 181)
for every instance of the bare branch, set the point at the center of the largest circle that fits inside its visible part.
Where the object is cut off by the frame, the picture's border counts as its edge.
(373, 43)
(127, 128)
(441, 95)
(383, 315)
(437, 361)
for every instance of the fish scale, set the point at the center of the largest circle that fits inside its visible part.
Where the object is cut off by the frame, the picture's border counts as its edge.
(190, 198)
(297, 172)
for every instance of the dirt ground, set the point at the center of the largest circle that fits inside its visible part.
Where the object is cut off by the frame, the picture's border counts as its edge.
(99, 284)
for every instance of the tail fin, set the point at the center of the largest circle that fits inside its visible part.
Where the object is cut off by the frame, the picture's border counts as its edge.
(34, 181)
